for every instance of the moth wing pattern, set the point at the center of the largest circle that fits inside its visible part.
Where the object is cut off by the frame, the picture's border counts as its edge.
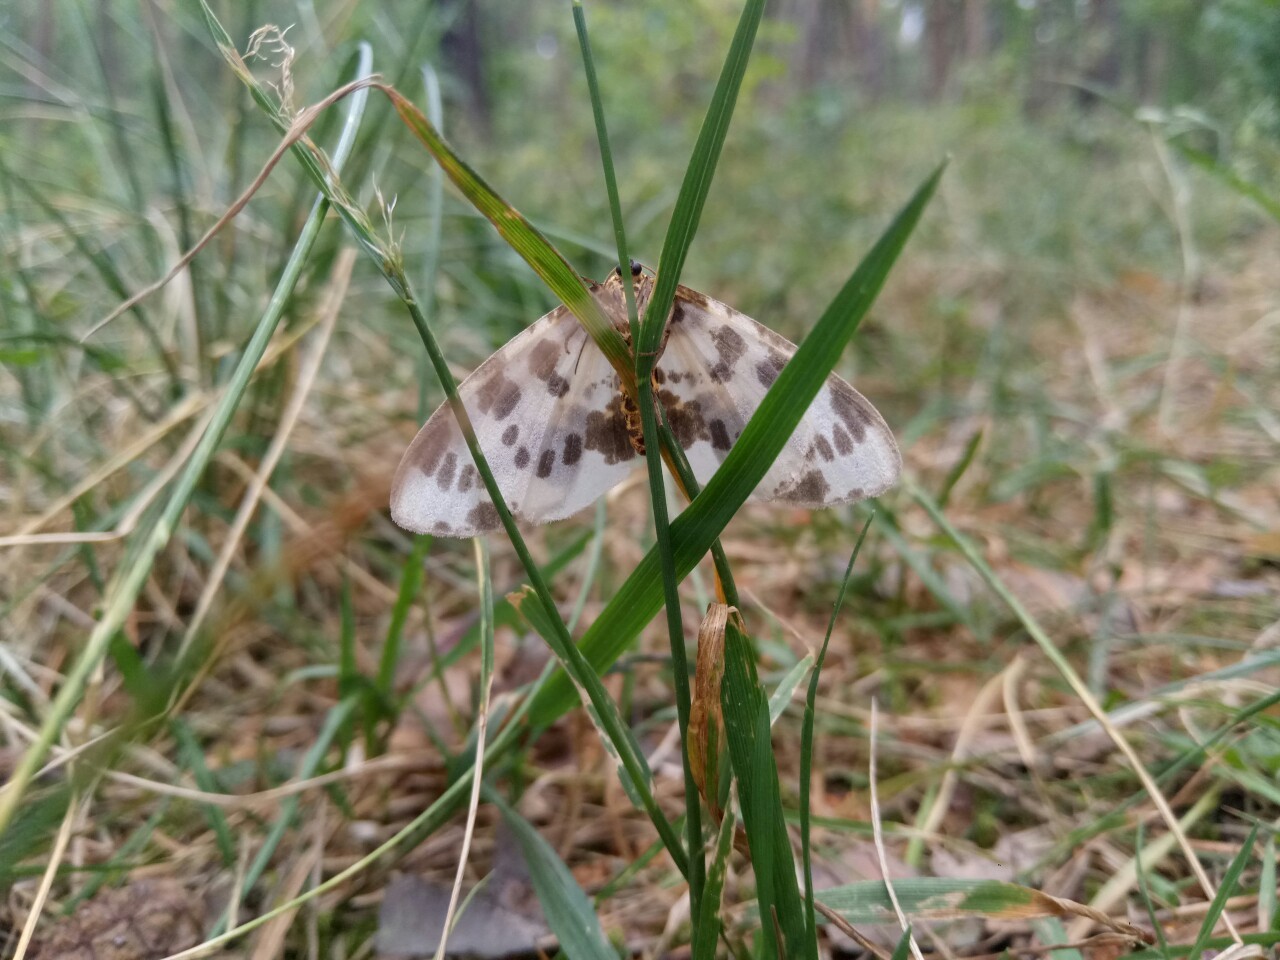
(546, 414)
(715, 370)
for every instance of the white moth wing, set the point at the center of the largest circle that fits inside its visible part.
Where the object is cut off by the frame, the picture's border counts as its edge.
(546, 415)
(716, 368)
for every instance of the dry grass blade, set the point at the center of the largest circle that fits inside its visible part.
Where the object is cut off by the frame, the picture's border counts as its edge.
(482, 727)
(877, 825)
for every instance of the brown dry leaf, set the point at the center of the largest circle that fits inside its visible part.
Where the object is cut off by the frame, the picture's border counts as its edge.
(706, 723)
(139, 921)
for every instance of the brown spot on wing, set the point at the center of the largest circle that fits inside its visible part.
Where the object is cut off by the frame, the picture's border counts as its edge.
(849, 407)
(823, 446)
(522, 458)
(767, 370)
(719, 435)
(511, 434)
(546, 460)
(572, 449)
(542, 364)
(466, 478)
(692, 296)
(498, 396)
(685, 418)
(607, 433)
(447, 469)
(543, 359)
(844, 444)
(484, 517)
(811, 488)
(431, 444)
(729, 346)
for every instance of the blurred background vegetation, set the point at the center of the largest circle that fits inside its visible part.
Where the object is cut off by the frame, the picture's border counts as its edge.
(1090, 301)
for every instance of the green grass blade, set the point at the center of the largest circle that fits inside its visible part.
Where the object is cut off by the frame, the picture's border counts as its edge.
(657, 489)
(193, 756)
(786, 688)
(1223, 172)
(568, 911)
(707, 928)
(806, 749)
(1225, 889)
(696, 184)
(410, 584)
(746, 723)
(903, 949)
(640, 597)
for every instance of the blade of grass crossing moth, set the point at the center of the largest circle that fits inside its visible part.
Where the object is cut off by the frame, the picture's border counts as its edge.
(568, 912)
(696, 184)
(657, 491)
(153, 536)
(746, 722)
(806, 749)
(1225, 889)
(638, 600)
(707, 920)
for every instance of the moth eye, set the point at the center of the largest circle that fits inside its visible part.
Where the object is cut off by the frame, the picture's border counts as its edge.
(636, 269)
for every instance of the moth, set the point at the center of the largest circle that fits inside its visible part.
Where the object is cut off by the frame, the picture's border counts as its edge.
(558, 430)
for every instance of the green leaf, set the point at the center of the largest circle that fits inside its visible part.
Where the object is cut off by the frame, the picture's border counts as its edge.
(746, 723)
(1225, 889)
(707, 933)
(568, 911)
(786, 687)
(806, 749)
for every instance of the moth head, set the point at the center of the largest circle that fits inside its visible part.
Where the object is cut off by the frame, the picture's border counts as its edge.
(637, 268)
